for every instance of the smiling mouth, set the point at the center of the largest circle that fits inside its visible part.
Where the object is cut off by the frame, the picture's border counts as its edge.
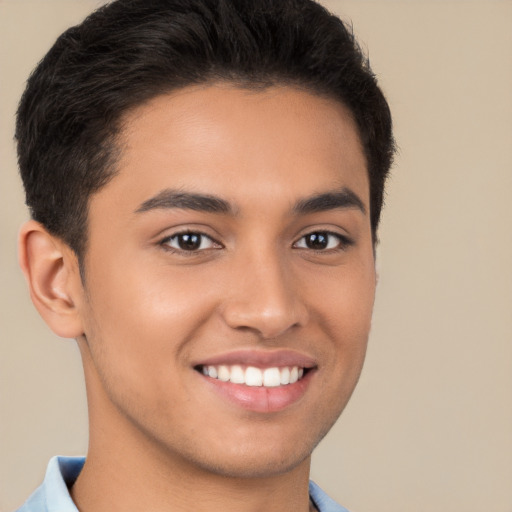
(259, 381)
(252, 376)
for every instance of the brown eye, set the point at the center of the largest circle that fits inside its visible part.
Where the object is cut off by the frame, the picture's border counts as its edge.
(189, 242)
(317, 241)
(322, 240)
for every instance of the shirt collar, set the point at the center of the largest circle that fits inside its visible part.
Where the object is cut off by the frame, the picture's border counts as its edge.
(60, 475)
(323, 502)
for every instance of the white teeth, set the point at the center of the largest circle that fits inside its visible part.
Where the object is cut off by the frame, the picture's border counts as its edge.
(285, 376)
(223, 373)
(271, 377)
(252, 376)
(237, 375)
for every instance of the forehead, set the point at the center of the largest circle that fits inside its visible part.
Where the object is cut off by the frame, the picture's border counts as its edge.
(242, 145)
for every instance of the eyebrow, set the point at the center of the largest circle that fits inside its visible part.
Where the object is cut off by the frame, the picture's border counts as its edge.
(343, 199)
(185, 200)
(168, 198)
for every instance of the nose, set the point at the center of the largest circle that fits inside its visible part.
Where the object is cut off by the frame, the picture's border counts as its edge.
(263, 297)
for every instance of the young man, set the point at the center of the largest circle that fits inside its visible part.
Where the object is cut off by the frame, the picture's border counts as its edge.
(205, 179)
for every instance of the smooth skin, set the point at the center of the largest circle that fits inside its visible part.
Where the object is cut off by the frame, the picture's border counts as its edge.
(154, 305)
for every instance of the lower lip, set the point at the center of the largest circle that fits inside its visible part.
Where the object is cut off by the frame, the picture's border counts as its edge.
(260, 398)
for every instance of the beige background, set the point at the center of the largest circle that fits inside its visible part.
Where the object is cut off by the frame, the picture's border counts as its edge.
(430, 426)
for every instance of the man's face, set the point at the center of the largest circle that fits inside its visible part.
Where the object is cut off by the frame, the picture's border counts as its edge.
(233, 245)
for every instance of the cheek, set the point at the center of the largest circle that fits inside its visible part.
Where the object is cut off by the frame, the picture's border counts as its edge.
(139, 322)
(347, 305)
(346, 297)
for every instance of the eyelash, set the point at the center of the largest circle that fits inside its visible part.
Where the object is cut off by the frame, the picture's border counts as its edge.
(343, 242)
(165, 243)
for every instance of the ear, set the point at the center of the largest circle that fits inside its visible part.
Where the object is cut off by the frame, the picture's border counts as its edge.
(52, 273)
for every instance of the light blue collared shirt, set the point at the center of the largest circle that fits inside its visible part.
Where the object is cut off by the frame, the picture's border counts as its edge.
(53, 494)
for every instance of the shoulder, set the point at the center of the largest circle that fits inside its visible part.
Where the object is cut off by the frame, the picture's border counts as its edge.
(323, 502)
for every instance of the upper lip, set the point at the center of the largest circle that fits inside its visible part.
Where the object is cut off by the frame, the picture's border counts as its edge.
(260, 358)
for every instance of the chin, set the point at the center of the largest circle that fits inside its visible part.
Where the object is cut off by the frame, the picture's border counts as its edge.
(256, 466)
(259, 457)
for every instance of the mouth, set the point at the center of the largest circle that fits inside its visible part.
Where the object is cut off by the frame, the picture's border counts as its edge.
(258, 381)
(253, 376)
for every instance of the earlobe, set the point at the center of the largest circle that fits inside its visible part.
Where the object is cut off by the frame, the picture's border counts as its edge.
(51, 270)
